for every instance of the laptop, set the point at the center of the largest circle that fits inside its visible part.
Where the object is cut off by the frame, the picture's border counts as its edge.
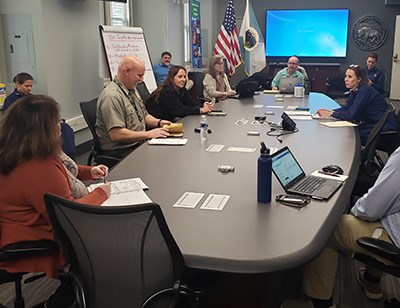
(286, 84)
(294, 181)
(246, 88)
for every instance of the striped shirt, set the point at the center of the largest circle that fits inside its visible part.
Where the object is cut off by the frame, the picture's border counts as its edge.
(382, 201)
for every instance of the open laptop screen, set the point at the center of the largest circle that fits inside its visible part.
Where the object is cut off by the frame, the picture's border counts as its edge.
(286, 168)
(286, 84)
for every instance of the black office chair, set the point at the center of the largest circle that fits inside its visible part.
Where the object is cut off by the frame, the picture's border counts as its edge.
(119, 256)
(143, 91)
(335, 86)
(19, 251)
(390, 141)
(264, 82)
(89, 109)
(389, 259)
(370, 163)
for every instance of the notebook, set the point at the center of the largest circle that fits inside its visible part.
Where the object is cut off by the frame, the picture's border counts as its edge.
(286, 84)
(293, 179)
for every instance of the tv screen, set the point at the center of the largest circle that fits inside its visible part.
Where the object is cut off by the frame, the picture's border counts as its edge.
(306, 33)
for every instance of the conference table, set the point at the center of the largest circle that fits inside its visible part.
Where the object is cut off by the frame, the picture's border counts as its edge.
(246, 236)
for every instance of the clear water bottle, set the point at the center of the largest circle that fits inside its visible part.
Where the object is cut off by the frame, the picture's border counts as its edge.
(203, 128)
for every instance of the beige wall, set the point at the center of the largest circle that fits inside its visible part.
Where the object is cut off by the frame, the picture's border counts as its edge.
(66, 50)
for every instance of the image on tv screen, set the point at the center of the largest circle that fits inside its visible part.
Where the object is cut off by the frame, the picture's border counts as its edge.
(306, 33)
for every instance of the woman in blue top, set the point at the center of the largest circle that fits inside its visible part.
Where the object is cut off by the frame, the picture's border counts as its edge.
(23, 87)
(172, 100)
(365, 106)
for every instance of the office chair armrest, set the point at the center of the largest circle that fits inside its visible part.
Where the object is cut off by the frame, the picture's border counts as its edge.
(109, 161)
(381, 248)
(390, 132)
(79, 289)
(26, 249)
(73, 278)
(370, 168)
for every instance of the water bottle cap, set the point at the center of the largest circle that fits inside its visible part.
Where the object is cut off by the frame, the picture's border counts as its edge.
(264, 150)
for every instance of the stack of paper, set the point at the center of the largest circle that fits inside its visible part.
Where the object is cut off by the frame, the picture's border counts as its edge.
(125, 192)
(299, 114)
(168, 141)
(338, 124)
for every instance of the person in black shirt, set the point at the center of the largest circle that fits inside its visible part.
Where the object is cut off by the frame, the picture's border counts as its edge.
(172, 100)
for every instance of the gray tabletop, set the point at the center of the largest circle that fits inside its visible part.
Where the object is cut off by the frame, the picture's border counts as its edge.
(246, 236)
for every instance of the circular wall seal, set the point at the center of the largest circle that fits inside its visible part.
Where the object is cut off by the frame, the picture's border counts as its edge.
(369, 32)
(251, 39)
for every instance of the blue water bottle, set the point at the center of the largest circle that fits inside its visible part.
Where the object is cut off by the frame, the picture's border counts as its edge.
(264, 175)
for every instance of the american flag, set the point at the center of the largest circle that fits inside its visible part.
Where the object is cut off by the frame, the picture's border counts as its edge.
(227, 41)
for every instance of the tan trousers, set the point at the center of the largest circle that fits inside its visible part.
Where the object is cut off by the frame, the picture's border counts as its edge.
(319, 275)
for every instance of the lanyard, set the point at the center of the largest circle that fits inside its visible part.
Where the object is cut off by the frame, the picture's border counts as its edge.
(133, 103)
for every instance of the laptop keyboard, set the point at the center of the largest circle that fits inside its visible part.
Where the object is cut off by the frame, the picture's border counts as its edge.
(310, 184)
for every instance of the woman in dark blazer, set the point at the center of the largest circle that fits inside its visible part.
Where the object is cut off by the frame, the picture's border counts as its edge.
(172, 100)
(365, 106)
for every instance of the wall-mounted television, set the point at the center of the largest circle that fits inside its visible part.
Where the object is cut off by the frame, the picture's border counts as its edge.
(306, 33)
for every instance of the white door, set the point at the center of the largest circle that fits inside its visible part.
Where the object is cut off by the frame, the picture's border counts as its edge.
(395, 84)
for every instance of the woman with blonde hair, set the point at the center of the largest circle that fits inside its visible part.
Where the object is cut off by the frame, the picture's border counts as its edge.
(216, 84)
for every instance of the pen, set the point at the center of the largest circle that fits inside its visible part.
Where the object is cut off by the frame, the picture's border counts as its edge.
(104, 179)
(331, 174)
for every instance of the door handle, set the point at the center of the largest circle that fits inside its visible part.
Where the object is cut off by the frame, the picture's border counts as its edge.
(396, 58)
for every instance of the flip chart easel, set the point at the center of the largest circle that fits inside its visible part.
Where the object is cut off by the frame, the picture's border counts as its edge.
(118, 42)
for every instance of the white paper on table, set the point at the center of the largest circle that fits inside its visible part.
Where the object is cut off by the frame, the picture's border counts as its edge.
(242, 121)
(168, 141)
(258, 106)
(276, 107)
(189, 200)
(127, 198)
(337, 177)
(121, 186)
(338, 124)
(215, 202)
(291, 107)
(215, 148)
(241, 149)
(301, 117)
(298, 113)
(125, 192)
